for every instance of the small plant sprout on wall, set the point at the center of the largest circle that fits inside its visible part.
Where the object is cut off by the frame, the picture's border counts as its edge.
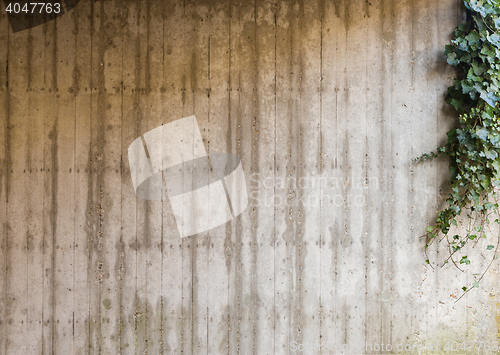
(474, 145)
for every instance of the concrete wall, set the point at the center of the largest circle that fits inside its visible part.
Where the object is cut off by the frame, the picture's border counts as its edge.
(347, 91)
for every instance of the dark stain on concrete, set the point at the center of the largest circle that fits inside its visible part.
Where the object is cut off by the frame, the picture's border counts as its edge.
(110, 32)
(74, 89)
(29, 54)
(6, 168)
(336, 6)
(107, 303)
(183, 88)
(194, 81)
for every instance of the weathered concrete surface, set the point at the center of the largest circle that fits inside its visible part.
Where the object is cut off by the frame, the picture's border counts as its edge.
(345, 92)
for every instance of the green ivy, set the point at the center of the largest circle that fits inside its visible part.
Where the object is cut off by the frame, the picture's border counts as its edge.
(473, 147)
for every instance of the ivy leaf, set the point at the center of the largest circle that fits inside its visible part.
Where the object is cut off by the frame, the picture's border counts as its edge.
(489, 247)
(457, 104)
(494, 38)
(465, 58)
(482, 133)
(488, 51)
(464, 260)
(496, 21)
(467, 87)
(464, 27)
(490, 154)
(496, 166)
(489, 97)
(475, 284)
(479, 69)
(494, 138)
(473, 37)
(452, 59)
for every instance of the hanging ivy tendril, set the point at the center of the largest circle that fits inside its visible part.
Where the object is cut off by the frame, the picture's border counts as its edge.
(474, 146)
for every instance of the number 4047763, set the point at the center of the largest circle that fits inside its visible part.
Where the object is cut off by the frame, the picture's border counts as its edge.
(34, 8)
(470, 345)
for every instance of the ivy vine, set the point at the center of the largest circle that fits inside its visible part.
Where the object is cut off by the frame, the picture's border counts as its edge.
(473, 147)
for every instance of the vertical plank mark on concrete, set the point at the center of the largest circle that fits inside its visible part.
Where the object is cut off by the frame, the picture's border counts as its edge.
(5, 175)
(130, 203)
(79, 301)
(329, 36)
(110, 194)
(434, 183)
(374, 196)
(400, 155)
(322, 186)
(237, 111)
(143, 236)
(147, 234)
(421, 116)
(188, 244)
(174, 91)
(4, 108)
(218, 141)
(353, 278)
(252, 299)
(62, 135)
(160, 303)
(96, 183)
(282, 226)
(276, 206)
(34, 243)
(156, 102)
(18, 194)
(82, 90)
(232, 232)
(263, 167)
(50, 188)
(309, 177)
(120, 256)
(294, 171)
(412, 239)
(100, 164)
(386, 264)
(199, 244)
(245, 303)
(340, 175)
(90, 209)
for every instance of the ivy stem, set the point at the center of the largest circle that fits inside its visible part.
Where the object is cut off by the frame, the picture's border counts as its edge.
(484, 21)
(484, 273)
